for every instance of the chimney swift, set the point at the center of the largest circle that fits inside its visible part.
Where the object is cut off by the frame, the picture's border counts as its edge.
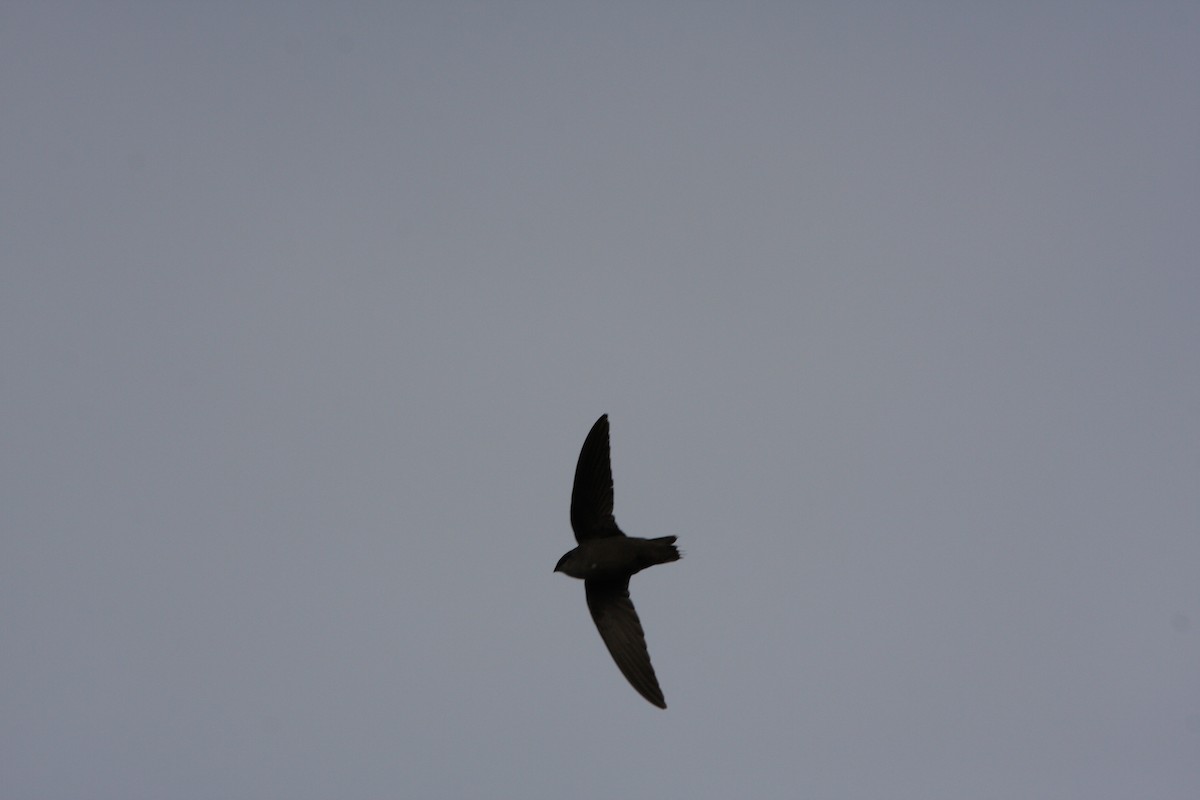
(606, 558)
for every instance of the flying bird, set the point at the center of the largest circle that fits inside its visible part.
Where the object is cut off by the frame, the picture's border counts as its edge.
(605, 560)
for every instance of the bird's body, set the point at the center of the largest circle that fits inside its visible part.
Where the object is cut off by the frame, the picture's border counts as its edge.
(617, 557)
(605, 560)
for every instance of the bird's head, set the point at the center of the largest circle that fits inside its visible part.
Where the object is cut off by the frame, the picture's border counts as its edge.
(568, 564)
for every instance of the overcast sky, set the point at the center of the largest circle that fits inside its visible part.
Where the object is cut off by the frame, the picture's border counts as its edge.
(306, 309)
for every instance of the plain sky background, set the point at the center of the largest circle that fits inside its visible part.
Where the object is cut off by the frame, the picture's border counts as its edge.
(306, 310)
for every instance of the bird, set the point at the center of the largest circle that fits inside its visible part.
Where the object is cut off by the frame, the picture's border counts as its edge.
(606, 559)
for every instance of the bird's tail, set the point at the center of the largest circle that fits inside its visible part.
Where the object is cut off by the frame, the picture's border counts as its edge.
(663, 550)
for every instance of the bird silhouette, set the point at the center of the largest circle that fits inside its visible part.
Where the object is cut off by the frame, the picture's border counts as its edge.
(605, 560)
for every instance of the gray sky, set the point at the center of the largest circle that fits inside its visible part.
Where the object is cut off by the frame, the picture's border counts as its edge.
(895, 310)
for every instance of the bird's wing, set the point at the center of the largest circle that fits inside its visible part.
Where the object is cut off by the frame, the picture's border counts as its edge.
(592, 497)
(621, 631)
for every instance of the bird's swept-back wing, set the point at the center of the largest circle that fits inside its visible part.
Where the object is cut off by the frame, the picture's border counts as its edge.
(621, 631)
(592, 497)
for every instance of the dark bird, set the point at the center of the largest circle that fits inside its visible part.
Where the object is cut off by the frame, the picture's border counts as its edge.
(606, 558)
